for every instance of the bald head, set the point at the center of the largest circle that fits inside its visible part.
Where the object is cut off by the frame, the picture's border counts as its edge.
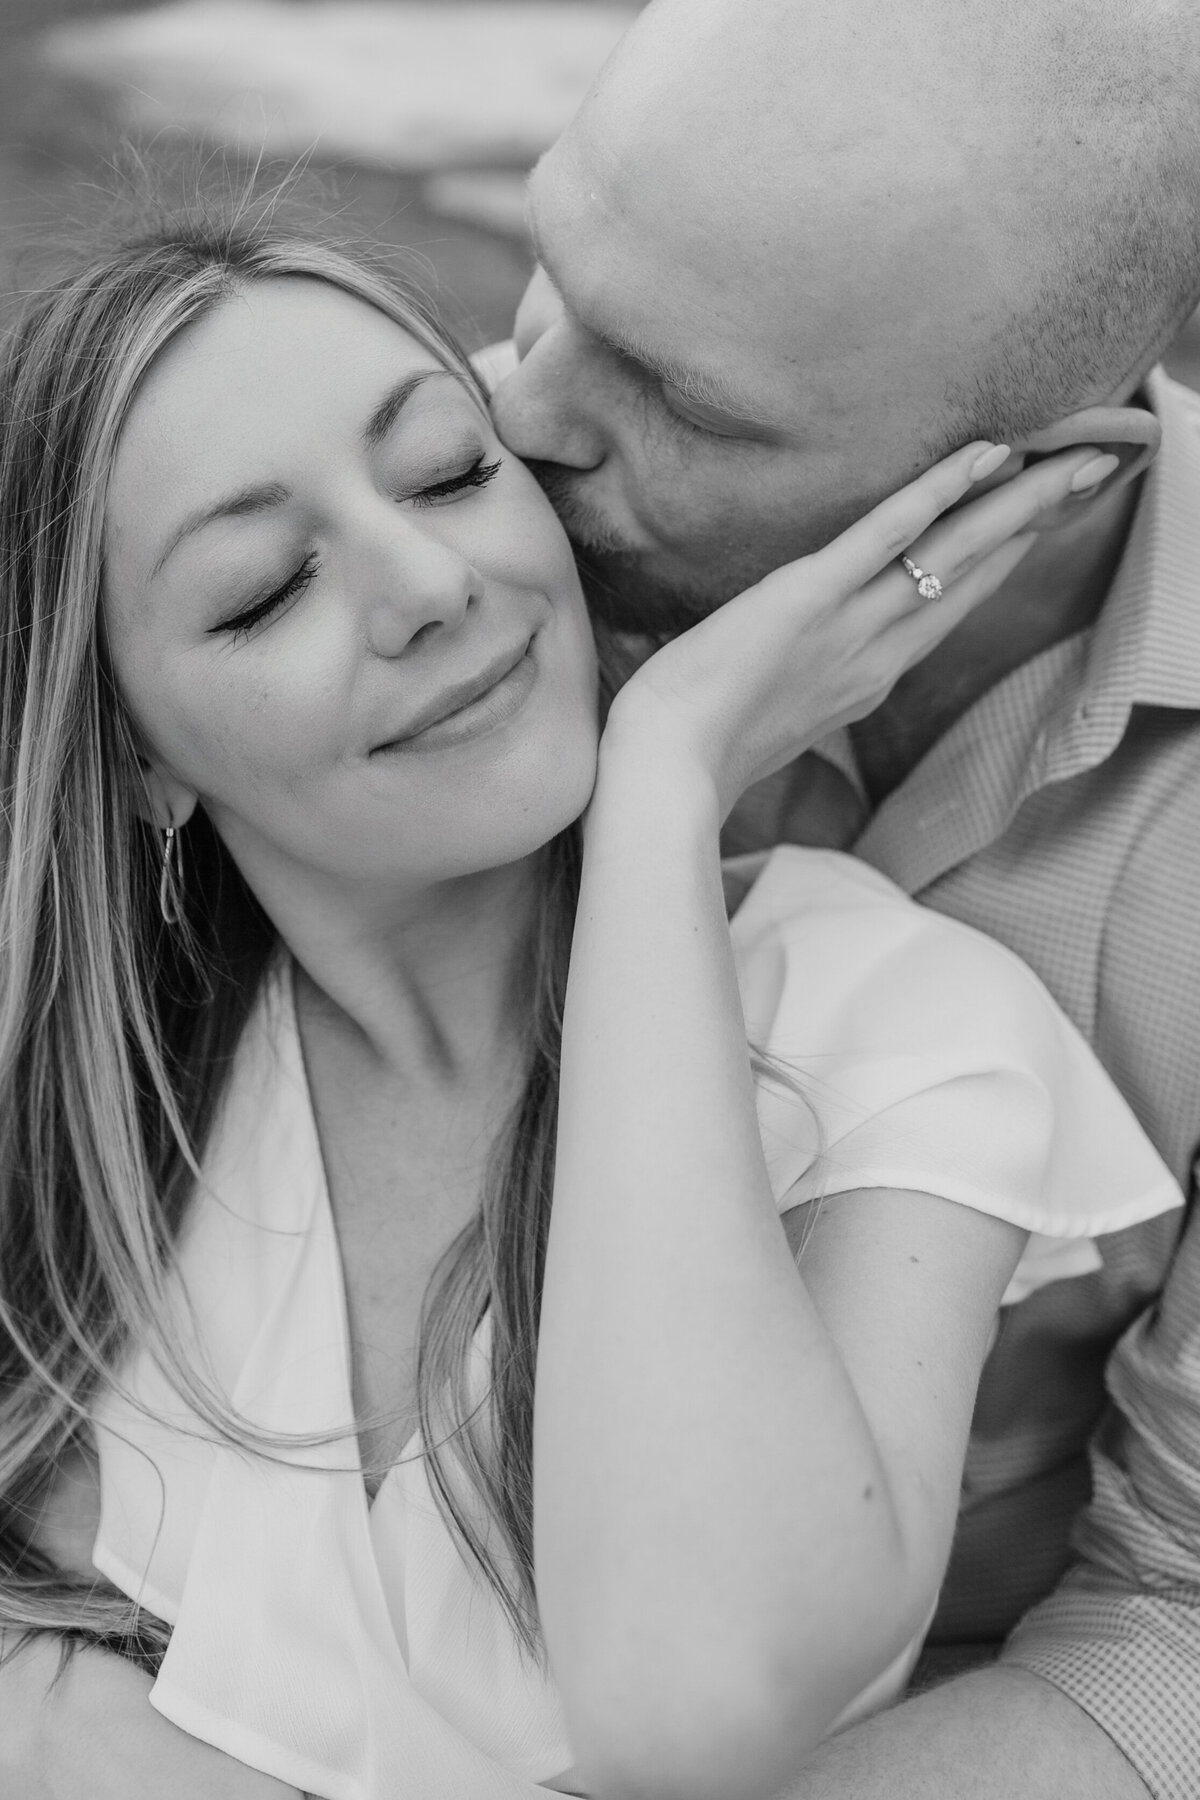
(884, 229)
(989, 167)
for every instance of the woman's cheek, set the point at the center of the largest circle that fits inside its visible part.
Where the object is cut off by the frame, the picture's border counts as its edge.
(269, 712)
(522, 538)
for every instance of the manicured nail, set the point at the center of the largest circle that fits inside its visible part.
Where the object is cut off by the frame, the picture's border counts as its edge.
(1093, 473)
(989, 462)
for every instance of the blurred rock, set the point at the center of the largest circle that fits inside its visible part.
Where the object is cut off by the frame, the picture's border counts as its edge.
(491, 198)
(402, 85)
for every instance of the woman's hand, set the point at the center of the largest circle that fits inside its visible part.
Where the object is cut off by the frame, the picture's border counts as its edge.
(822, 641)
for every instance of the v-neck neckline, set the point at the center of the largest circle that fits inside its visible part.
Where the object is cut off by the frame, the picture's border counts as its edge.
(292, 1035)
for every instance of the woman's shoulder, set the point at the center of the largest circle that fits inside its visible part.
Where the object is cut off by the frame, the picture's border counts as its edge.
(772, 885)
(773, 888)
(939, 1045)
(831, 952)
(832, 934)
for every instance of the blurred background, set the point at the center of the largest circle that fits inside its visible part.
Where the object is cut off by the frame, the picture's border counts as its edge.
(416, 121)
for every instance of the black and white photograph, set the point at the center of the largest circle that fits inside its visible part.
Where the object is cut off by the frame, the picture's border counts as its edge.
(599, 900)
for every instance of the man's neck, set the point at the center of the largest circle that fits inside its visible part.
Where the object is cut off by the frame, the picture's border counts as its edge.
(1056, 591)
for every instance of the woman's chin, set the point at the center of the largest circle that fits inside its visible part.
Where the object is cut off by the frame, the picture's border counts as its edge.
(541, 816)
(498, 828)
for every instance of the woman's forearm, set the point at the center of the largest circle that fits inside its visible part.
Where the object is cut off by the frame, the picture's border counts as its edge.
(712, 1516)
(87, 1731)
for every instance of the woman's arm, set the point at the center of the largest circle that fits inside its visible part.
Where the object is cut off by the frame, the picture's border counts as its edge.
(92, 1734)
(81, 1727)
(742, 1508)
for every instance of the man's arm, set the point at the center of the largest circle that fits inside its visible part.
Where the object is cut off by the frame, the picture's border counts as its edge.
(93, 1735)
(1097, 1696)
(996, 1734)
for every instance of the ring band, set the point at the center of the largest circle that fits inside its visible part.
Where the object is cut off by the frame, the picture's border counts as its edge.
(928, 586)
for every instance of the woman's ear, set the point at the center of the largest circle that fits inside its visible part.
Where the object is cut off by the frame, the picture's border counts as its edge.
(163, 800)
(1132, 434)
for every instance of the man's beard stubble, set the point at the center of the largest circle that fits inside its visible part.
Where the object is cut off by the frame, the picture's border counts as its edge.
(622, 595)
(622, 592)
(627, 594)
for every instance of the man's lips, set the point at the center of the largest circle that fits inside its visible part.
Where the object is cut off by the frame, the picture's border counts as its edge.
(459, 696)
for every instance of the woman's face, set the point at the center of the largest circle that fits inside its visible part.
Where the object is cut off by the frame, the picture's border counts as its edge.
(340, 617)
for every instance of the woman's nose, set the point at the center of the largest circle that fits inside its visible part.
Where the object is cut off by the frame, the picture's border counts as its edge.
(550, 408)
(415, 585)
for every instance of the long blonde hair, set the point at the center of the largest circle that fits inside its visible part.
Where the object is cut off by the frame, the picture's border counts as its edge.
(115, 1031)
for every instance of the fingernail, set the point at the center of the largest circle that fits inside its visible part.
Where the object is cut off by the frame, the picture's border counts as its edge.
(1094, 472)
(989, 462)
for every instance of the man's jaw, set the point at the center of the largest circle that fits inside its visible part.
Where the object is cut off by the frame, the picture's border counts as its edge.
(625, 595)
(583, 523)
(622, 588)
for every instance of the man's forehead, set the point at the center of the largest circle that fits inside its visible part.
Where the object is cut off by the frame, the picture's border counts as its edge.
(647, 301)
(828, 275)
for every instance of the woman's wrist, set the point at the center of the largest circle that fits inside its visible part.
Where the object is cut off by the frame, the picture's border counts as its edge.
(647, 766)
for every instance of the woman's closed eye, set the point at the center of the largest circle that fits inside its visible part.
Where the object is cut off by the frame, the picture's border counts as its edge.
(476, 475)
(244, 622)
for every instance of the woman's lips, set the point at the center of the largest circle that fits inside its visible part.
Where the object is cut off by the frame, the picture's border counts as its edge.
(485, 703)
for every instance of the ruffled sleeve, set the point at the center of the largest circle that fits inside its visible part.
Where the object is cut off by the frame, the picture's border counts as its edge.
(903, 1049)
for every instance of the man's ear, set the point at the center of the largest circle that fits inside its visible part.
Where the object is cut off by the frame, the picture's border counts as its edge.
(1130, 433)
(163, 800)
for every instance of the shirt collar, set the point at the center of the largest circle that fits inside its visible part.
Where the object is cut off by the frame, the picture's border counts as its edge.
(1144, 649)
(1152, 615)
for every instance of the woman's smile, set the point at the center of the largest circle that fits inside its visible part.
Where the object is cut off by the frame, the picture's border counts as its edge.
(472, 708)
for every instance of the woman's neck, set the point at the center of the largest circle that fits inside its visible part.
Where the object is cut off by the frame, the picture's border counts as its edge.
(422, 985)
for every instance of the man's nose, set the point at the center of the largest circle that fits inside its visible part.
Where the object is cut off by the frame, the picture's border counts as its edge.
(550, 409)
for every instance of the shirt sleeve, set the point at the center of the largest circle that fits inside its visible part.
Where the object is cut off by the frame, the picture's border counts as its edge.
(907, 1051)
(1121, 1634)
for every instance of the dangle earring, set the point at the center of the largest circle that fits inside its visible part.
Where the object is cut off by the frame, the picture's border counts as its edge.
(170, 880)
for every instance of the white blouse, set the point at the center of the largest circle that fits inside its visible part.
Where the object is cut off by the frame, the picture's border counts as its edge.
(346, 1648)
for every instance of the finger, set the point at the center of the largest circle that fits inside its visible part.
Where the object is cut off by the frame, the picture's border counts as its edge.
(885, 533)
(915, 633)
(953, 545)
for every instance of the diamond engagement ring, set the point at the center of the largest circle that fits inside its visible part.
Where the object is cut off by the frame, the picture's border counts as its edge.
(928, 586)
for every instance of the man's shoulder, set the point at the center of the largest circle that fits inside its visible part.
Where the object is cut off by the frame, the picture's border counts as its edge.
(494, 362)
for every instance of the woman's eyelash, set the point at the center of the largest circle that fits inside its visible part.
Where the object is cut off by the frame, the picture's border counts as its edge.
(477, 476)
(254, 615)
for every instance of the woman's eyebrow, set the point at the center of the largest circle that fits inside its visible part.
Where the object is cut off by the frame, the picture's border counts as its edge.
(397, 397)
(260, 498)
(239, 505)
